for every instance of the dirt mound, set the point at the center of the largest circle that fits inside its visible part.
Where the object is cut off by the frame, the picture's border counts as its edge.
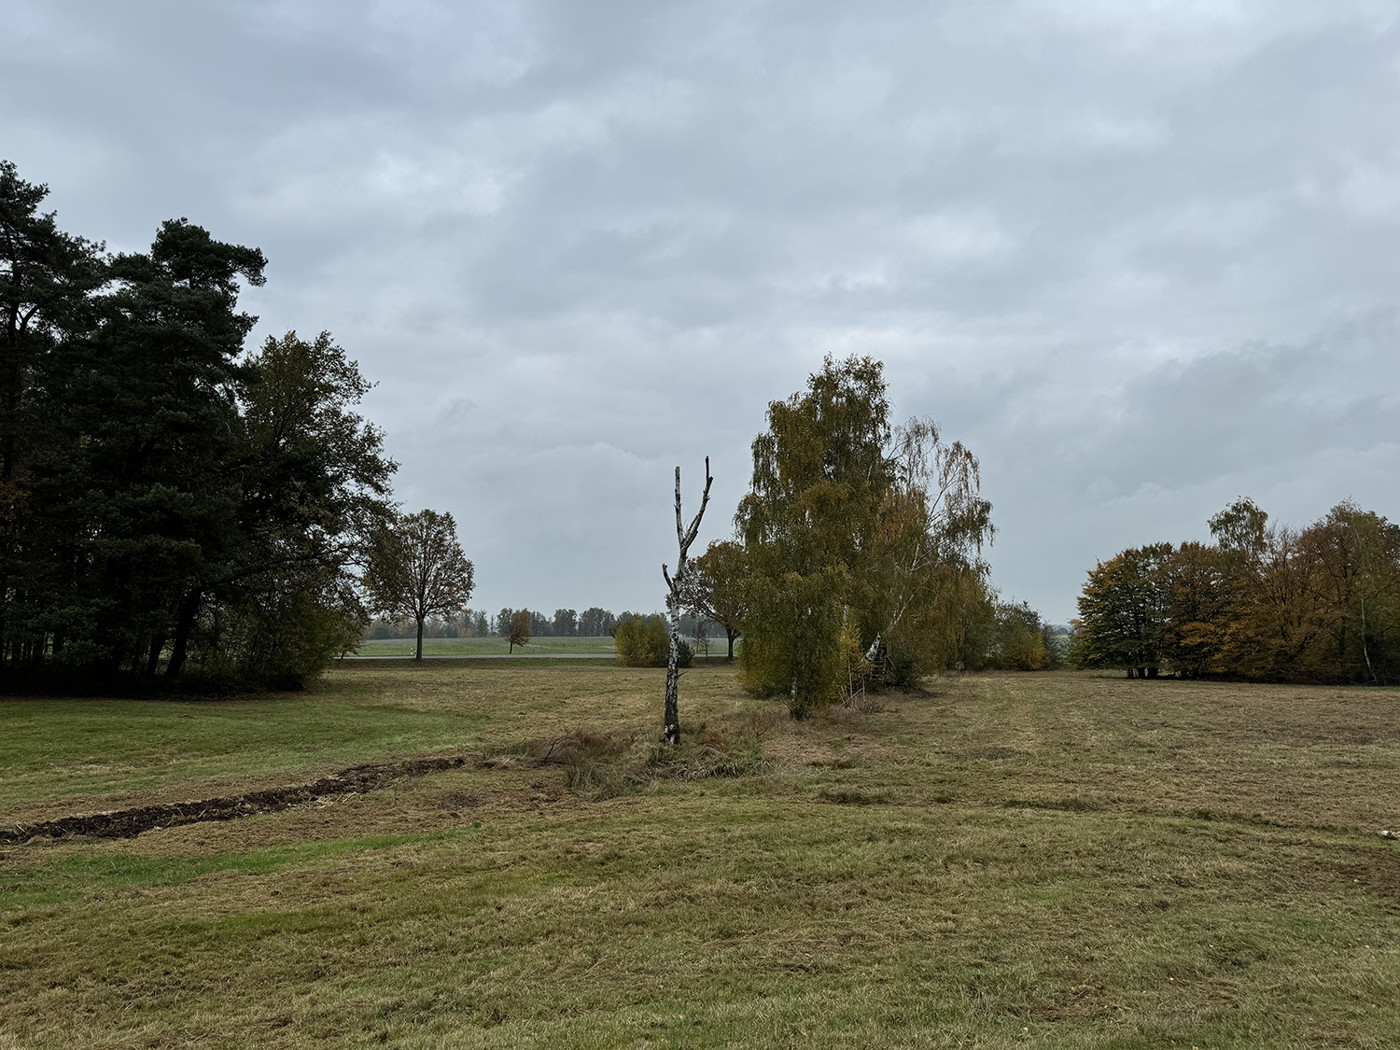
(128, 823)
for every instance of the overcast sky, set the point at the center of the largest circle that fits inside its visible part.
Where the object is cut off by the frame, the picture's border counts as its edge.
(1139, 255)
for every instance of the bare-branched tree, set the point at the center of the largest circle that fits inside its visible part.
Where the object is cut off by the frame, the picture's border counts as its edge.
(677, 589)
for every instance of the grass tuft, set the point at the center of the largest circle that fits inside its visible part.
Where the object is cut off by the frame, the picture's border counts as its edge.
(844, 797)
(1073, 804)
(600, 766)
(708, 752)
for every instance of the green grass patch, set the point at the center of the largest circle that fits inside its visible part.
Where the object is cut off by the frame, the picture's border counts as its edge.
(71, 874)
(106, 753)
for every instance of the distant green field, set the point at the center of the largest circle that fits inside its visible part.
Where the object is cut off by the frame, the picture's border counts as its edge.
(485, 646)
(998, 861)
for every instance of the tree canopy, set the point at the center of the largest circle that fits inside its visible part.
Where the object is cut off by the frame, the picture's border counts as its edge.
(518, 629)
(862, 541)
(169, 501)
(417, 569)
(1267, 603)
(718, 587)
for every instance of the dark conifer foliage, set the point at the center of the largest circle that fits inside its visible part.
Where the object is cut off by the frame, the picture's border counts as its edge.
(169, 503)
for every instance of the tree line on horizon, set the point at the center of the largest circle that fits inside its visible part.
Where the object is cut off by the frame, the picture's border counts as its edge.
(1262, 602)
(176, 505)
(593, 622)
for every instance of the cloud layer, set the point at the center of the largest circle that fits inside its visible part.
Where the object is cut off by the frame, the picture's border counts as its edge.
(1140, 256)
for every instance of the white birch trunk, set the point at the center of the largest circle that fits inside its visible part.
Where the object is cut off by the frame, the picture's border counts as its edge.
(674, 599)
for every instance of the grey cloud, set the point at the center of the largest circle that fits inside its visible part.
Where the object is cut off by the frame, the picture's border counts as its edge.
(1296, 427)
(1110, 245)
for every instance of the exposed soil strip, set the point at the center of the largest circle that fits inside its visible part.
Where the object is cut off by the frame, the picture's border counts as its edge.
(128, 823)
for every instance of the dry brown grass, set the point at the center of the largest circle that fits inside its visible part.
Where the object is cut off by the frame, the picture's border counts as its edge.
(1051, 860)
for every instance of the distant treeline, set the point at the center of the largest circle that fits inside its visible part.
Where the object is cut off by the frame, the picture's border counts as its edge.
(1262, 602)
(593, 622)
(998, 635)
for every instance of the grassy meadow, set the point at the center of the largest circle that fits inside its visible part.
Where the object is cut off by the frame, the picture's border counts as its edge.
(1048, 860)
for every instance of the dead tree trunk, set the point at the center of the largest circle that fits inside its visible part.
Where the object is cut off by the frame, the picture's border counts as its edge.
(675, 599)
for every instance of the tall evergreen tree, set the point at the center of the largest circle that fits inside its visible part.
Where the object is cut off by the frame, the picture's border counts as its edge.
(153, 397)
(164, 497)
(313, 487)
(47, 281)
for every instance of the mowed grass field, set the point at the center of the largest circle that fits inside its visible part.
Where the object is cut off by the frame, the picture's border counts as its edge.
(490, 646)
(996, 861)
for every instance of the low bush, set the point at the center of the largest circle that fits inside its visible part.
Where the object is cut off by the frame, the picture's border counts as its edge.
(645, 641)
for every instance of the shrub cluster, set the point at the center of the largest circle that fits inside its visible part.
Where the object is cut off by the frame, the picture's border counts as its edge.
(644, 641)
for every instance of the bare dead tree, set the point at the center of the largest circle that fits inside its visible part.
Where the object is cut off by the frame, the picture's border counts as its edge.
(677, 586)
